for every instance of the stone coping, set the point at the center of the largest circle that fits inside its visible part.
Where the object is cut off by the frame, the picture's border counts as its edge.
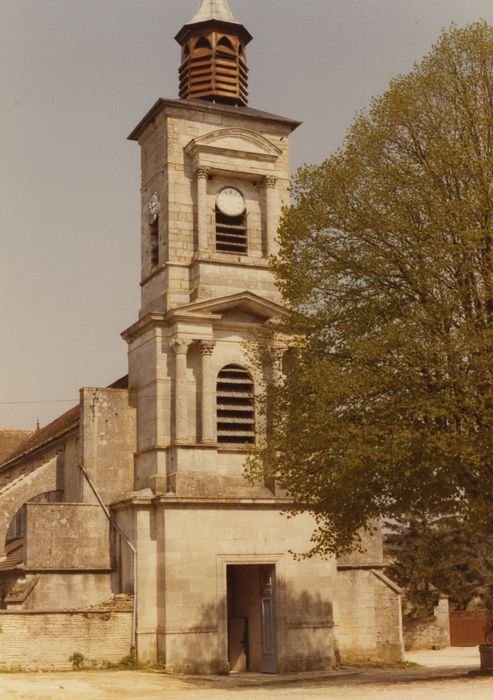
(77, 611)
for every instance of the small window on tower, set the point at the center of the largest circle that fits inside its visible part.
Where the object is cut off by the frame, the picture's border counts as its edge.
(154, 236)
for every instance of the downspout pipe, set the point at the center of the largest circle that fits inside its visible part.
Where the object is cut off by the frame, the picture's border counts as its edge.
(129, 544)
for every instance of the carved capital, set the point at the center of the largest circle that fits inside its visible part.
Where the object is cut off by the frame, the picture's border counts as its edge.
(200, 172)
(207, 347)
(180, 346)
(270, 182)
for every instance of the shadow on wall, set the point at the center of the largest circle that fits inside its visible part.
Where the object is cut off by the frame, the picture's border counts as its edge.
(302, 631)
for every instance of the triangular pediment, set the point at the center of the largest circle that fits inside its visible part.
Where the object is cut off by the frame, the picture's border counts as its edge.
(243, 306)
(235, 140)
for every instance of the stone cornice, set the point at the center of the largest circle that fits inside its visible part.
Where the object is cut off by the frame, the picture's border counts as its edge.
(207, 311)
(172, 500)
(206, 107)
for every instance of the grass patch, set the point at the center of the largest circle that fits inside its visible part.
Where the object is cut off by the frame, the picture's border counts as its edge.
(128, 663)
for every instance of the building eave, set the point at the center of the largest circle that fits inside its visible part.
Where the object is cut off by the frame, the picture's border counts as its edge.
(219, 25)
(208, 107)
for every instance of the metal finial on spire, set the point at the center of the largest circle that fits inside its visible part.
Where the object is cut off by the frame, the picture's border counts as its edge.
(214, 9)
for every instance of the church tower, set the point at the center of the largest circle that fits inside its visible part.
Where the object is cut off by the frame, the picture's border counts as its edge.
(215, 173)
(214, 176)
(217, 587)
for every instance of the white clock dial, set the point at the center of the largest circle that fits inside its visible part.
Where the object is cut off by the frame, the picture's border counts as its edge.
(154, 205)
(230, 202)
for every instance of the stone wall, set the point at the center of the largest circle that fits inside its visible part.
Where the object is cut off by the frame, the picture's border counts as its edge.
(56, 590)
(186, 550)
(46, 640)
(433, 633)
(368, 616)
(66, 536)
(21, 489)
(108, 442)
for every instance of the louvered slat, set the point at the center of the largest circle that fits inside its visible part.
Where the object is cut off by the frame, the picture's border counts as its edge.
(235, 407)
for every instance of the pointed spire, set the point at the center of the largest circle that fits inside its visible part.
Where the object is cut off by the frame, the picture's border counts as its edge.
(213, 9)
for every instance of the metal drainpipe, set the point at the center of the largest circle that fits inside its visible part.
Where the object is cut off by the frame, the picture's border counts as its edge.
(132, 548)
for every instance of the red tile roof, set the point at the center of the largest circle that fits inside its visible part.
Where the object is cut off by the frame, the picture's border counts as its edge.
(51, 431)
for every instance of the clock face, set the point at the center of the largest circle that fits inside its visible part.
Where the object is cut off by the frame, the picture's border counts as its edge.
(154, 205)
(230, 202)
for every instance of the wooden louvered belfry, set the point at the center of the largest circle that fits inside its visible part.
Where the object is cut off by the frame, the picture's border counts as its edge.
(214, 66)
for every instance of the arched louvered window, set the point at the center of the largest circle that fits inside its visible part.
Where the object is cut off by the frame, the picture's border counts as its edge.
(225, 51)
(203, 43)
(235, 407)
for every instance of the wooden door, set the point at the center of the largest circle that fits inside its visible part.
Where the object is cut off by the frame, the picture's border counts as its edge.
(268, 614)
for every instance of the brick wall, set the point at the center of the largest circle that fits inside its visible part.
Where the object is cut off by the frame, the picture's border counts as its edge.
(46, 640)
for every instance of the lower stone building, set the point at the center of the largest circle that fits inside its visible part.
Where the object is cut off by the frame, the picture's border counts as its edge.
(139, 490)
(217, 585)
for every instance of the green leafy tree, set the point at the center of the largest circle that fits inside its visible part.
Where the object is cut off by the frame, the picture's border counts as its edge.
(385, 265)
(433, 556)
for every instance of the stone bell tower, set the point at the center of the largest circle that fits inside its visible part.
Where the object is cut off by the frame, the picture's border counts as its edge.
(218, 589)
(214, 176)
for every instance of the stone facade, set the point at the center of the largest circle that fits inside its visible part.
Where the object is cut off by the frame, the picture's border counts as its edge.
(207, 556)
(433, 633)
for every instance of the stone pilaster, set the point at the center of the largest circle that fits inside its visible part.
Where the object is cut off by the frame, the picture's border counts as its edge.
(208, 393)
(201, 176)
(180, 346)
(272, 213)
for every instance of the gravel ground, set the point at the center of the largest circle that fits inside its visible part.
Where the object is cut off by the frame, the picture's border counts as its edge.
(443, 675)
(146, 686)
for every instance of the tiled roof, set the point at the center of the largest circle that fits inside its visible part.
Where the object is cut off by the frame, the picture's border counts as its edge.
(51, 431)
(10, 441)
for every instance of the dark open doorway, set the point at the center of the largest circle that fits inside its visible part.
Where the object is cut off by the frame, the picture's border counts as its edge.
(251, 618)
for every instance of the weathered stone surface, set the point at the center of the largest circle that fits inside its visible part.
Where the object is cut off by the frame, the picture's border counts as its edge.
(368, 615)
(433, 633)
(20, 490)
(66, 536)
